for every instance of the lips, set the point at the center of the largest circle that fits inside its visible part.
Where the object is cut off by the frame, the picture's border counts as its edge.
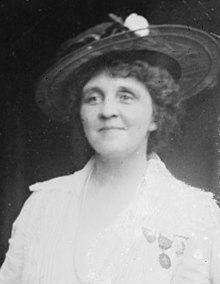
(108, 128)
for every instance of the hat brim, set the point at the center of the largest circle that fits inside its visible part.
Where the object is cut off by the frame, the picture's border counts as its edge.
(197, 53)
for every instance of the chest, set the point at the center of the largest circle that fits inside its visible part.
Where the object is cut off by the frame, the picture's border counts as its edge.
(102, 209)
(132, 249)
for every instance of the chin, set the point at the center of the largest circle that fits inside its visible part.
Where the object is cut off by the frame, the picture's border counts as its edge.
(110, 153)
(114, 152)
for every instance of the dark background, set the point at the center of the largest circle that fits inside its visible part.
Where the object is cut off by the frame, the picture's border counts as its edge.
(34, 148)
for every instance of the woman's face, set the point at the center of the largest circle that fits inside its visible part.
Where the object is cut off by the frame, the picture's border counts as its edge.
(117, 115)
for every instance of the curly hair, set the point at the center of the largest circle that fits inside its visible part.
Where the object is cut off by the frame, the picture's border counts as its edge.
(163, 89)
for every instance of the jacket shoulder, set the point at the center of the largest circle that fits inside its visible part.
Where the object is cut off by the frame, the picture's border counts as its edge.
(65, 183)
(199, 206)
(193, 208)
(62, 182)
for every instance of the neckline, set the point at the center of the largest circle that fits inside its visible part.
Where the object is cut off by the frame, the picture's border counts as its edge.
(123, 213)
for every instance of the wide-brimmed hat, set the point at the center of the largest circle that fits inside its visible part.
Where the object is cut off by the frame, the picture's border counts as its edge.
(191, 56)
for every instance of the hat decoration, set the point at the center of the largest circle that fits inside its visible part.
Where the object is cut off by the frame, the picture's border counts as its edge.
(138, 24)
(133, 23)
(190, 55)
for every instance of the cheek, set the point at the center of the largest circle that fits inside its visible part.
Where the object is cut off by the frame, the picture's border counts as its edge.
(88, 119)
(145, 124)
(84, 114)
(142, 117)
(84, 118)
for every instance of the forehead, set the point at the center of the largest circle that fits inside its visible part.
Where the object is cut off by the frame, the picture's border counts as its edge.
(106, 79)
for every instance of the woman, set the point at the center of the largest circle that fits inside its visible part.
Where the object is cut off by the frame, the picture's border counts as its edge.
(123, 218)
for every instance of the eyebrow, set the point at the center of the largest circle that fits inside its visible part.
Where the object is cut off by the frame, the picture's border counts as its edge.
(92, 90)
(128, 90)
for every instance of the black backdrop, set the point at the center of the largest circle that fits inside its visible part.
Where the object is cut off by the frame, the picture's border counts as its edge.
(34, 148)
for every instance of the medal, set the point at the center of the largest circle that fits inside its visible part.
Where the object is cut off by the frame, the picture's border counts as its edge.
(180, 247)
(150, 235)
(164, 260)
(180, 244)
(164, 243)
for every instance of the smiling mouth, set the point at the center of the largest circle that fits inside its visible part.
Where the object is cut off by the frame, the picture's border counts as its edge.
(110, 128)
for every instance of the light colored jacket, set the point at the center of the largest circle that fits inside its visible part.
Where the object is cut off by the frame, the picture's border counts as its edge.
(170, 235)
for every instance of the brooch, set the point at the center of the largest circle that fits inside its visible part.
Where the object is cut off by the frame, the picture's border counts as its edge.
(165, 243)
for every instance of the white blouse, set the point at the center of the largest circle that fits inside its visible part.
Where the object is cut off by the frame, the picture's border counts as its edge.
(170, 234)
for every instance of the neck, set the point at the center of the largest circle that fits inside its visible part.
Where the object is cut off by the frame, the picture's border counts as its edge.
(115, 172)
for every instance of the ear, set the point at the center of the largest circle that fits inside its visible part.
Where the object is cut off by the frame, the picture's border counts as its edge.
(152, 126)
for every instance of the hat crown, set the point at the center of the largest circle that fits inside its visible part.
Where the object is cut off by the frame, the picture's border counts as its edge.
(90, 36)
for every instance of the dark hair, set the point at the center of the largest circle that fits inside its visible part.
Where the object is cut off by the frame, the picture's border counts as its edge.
(164, 91)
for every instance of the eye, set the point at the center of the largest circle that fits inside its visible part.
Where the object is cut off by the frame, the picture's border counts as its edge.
(92, 98)
(126, 97)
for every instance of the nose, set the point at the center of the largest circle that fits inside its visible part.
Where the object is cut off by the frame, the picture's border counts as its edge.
(108, 109)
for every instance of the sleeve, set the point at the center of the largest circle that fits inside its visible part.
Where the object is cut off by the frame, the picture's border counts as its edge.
(215, 254)
(12, 267)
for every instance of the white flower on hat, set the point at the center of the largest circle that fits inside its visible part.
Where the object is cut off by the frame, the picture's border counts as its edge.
(138, 24)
